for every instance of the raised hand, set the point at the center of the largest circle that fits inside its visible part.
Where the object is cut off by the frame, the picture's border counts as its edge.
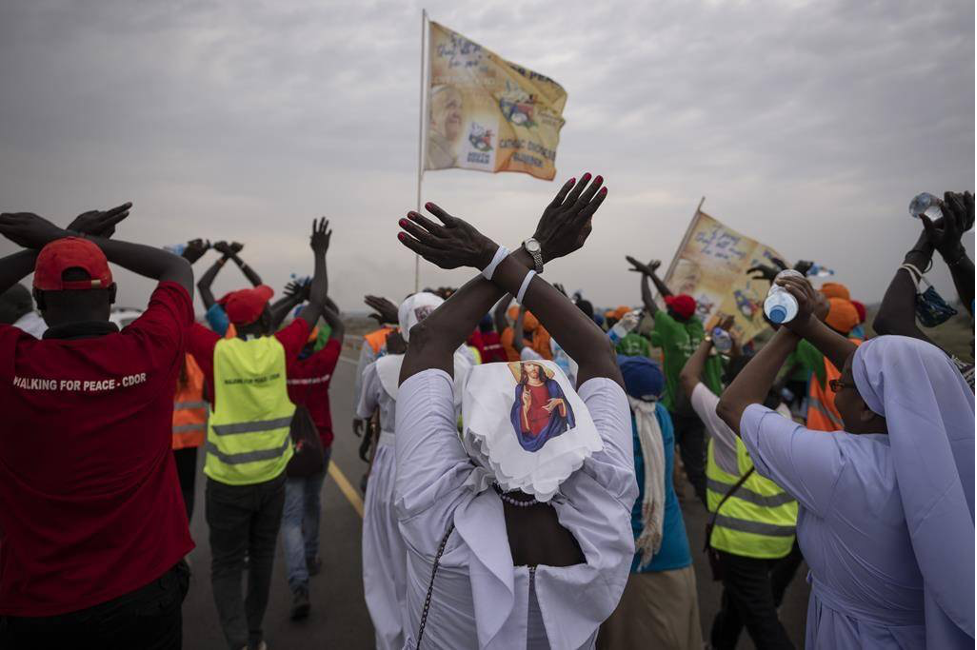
(195, 249)
(726, 322)
(237, 247)
(100, 223)
(958, 217)
(802, 266)
(810, 303)
(639, 267)
(321, 235)
(396, 343)
(223, 248)
(566, 221)
(29, 230)
(385, 311)
(451, 245)
(559, 287)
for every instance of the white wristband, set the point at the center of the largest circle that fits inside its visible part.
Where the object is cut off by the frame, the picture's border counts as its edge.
(500, 254)
(525, 286)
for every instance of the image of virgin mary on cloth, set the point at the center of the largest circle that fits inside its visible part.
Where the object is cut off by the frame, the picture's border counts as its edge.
(541, 410)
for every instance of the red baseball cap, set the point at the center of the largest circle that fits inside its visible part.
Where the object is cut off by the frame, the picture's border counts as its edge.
(246, 306)
(71, 253)
(682, 304)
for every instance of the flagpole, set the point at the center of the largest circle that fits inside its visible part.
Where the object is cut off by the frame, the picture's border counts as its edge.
(420, 140)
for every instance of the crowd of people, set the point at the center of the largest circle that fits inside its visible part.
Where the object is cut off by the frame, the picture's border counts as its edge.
(526, 452)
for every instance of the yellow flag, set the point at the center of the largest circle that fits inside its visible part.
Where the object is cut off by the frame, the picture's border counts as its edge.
(711, 267)
(487, 113)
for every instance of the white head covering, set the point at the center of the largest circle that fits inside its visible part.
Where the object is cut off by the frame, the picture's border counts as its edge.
(411, 312)
(517, 460)
(929, 413)
(415, 309)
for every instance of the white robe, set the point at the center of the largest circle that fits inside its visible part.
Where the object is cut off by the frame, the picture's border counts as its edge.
(480, 600)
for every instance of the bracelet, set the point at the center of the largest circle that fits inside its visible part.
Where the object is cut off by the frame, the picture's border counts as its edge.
(525, 286)
(914, 273)
(500, 254)
(927, 254)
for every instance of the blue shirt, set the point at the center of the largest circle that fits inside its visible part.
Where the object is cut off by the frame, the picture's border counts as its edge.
(674, 552)
(217, 319)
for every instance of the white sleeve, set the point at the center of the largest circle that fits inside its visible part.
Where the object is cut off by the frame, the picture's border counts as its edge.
(367, 356)
(805, 464)
(704, 403)
(432, 464)
(613, 466)
(369, 395)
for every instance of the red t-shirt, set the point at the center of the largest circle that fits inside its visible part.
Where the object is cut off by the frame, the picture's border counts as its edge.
(308, 384)
(90, 504)
(202, 341)
(492, 349)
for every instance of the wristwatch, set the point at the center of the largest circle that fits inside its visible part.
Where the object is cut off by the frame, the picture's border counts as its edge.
(533, 248)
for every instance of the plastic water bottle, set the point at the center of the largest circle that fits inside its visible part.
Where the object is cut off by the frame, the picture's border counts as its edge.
(925, 203)
(817, 271)
(780, 306)
(624, 326)
(176, 249)
(721, 340)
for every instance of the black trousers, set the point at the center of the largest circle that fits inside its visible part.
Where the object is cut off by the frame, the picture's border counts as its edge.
(752, 591)
(148, 618)
(186, 472)
(690, 434)
(244, 521)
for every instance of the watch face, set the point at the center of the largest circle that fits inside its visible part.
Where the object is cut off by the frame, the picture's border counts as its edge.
(532, 245)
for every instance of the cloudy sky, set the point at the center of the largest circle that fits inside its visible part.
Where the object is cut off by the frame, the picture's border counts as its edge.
(807, 125)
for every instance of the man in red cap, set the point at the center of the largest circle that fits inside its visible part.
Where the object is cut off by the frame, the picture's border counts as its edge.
(93, 525)
(248, 444)
(215, 315)
(678, 332)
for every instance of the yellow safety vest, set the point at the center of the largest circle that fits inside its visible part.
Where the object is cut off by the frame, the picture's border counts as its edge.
(758, 520)
(248, 433)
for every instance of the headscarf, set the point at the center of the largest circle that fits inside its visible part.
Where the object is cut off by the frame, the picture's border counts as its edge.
(842, 315)
(515, 459)
(529, 322)
(621, 311)
(682, 304)
(414, 309)
(644, 382)
(929, 413)
(860, 308)
(835, 290)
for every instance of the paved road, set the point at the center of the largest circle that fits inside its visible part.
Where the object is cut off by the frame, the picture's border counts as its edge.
(339, 618)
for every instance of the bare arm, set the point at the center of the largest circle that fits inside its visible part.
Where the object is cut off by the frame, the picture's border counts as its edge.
(16, 267)
(32, 231)
(331, 315)
(319, 290)
(958, 218)
(755, 380)
(692, 371)
(248, 272)
(207, 280)
(897, 314)
(295, 294)
(812, 308)
(646, 271)
(564, 227)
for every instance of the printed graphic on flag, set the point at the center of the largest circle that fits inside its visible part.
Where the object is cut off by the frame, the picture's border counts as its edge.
(487, 113)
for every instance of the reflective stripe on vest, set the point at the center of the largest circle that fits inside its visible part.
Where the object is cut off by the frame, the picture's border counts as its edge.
(758, 520)
(822, 415)
(189, 408)
(248, 435)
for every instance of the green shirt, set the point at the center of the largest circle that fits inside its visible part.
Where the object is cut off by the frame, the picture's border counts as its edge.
(678, 341)
(810, 361)
(634, 345)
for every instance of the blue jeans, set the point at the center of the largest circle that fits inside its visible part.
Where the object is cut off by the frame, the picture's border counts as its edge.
(300, 524)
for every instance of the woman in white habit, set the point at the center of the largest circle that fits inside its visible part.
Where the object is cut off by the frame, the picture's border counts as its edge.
(509, 548)
(384, 553)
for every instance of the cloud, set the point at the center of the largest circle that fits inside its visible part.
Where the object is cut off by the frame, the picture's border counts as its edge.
(808, 125)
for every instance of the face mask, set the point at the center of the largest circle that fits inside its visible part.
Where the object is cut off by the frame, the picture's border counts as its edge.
(931, 309)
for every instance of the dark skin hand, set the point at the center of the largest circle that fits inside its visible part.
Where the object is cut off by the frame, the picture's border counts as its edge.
(331, 315)
(319, 288)
(195, 250)
(31, 231)
(518, 342)
(499, 313)
(385, 312)
(563, 229)
(230, 251)
(767, 272)
(945, 236)
(535, 537)
(692, 371)
(647, 271)
(294, 295)
(396, 343)
(809, 322)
